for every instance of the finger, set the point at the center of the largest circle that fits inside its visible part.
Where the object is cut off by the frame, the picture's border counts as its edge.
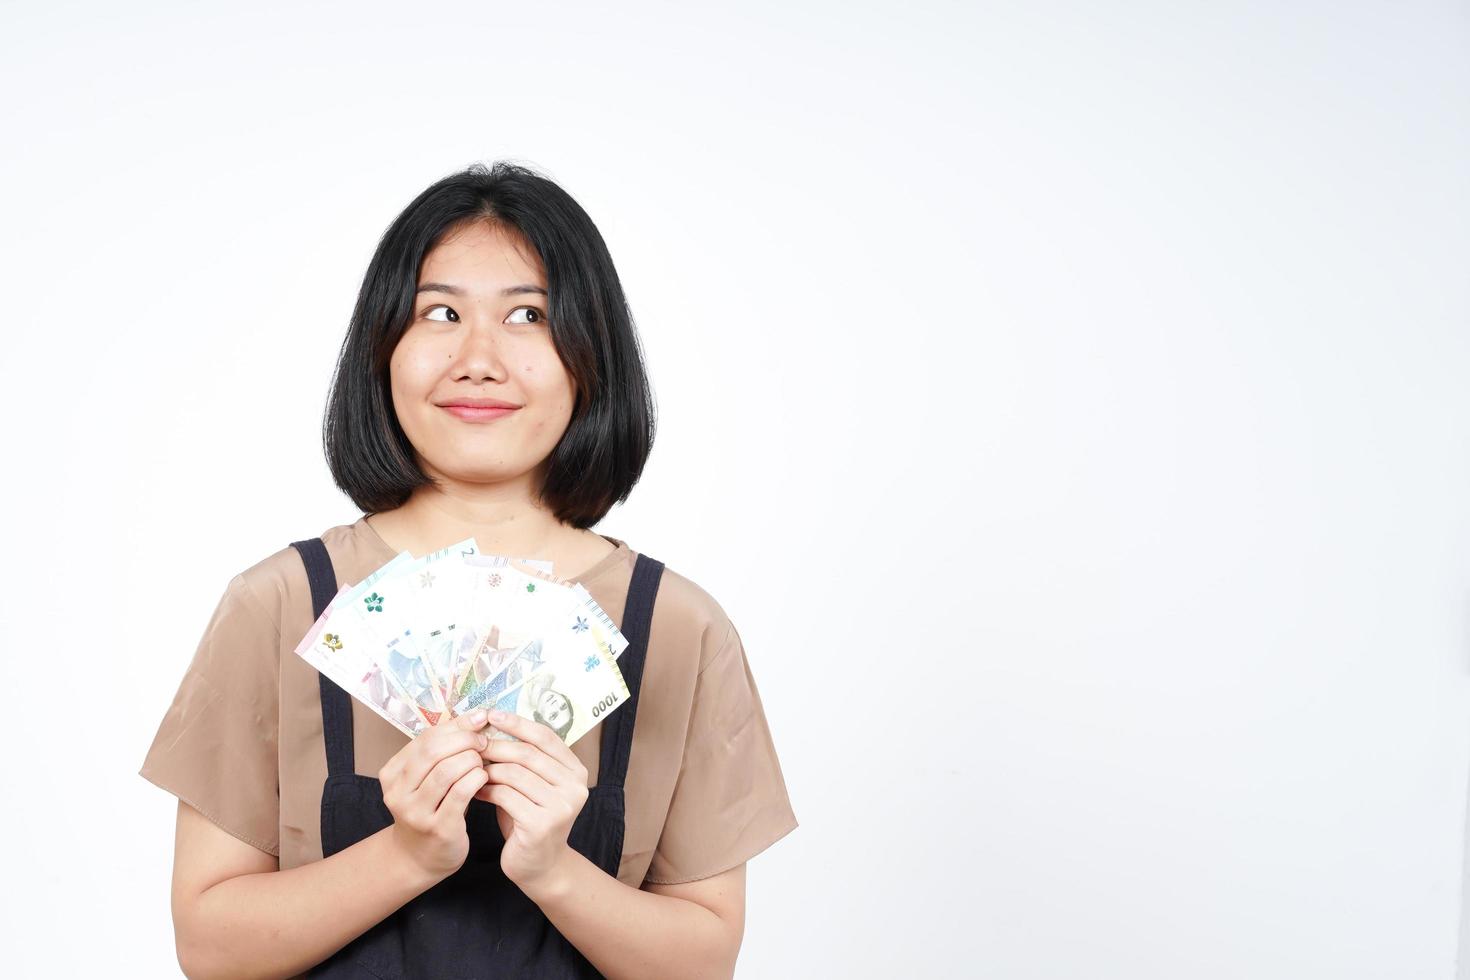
(536, 733)
(533, 758)
(510, 799)
(435, 750)
(532, 786)
(399, 762)
(435, 745)
(459, 794)
(427, 798)
(389, 773)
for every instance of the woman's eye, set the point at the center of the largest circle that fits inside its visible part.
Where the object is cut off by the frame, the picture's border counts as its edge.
(536, 316)
(452, 317)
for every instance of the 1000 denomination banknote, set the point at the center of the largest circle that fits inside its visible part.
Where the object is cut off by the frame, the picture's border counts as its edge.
(567, 678)
(569, 697)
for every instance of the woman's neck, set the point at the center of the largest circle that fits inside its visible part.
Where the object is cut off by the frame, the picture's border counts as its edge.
(500, 525)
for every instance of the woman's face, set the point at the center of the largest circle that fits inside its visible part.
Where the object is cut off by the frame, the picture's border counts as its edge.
(479, 332)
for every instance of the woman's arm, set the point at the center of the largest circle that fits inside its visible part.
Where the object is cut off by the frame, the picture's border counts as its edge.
(691, 930)
(236, 915)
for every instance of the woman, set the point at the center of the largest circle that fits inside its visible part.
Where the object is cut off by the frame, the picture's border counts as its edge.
(490, 385)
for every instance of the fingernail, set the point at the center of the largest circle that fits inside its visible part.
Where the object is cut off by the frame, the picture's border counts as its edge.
(477, 718)
(498, 716)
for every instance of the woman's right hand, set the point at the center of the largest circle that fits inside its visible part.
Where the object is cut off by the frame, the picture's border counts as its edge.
(427, 785)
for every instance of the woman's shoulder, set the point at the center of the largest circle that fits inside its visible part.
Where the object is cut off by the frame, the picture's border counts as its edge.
(278, 580)
(686, 613)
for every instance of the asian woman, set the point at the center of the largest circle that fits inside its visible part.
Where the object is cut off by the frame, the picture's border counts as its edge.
(490, 385)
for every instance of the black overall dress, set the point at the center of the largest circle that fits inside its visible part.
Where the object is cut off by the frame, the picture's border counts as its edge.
(476, 923)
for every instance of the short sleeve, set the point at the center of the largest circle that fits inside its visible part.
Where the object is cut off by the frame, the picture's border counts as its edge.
(216, 746)
(730, 801)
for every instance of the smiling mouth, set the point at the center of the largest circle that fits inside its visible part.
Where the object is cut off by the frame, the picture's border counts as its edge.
(477, 413)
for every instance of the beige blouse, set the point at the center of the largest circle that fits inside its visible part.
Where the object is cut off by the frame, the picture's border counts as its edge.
(242, 740)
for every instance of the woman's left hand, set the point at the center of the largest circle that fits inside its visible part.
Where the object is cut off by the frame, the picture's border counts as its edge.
(538, 786)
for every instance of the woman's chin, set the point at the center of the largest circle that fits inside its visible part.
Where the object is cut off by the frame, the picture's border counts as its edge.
(482, 476)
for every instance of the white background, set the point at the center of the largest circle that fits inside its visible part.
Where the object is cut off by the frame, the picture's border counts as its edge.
(1067, 401)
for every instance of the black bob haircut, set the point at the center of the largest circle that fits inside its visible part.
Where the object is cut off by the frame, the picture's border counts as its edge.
(601, 455)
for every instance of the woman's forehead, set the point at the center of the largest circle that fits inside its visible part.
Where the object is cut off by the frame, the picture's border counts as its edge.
(483, 257)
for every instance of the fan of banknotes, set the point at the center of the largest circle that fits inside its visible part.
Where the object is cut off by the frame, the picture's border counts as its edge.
(423, 639)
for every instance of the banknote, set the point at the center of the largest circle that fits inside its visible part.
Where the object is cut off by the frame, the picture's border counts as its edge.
(521, 663)
(394, 608)
(488, 659)
(503, 614)
(567, 676)
(350, 666)
(349, 642)
(347, 663)
(599, 624)
(440, 597)
(513, 606)
(559, 611)
(588, 610)
(442, 643)
(371, 685)
(432, 614)
(487, 625)
(568, 697)
(400, 659)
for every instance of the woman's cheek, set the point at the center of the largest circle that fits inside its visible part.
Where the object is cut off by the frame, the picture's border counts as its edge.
(412, 358)
(414, 368)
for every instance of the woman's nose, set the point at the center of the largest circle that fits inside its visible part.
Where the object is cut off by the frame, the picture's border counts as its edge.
(478, 355)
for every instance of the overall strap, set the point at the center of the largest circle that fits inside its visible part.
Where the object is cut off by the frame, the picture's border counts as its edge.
(336, 705)
(617, 733)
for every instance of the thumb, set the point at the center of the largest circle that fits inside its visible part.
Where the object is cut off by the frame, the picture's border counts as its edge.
(473, 721)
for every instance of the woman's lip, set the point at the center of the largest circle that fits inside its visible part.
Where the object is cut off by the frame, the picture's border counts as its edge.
(470, 414)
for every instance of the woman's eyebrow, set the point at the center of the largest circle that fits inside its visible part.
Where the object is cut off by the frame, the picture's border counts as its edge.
(444, 287)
